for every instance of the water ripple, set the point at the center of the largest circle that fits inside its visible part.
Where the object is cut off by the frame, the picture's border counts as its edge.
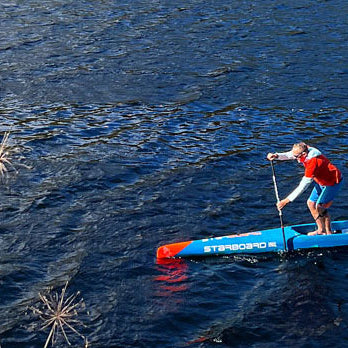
(146, 124)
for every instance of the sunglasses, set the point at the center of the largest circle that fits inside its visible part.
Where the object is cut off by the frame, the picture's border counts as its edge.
(299, 155)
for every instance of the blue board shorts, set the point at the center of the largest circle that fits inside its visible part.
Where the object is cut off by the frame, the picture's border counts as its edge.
(324, 194)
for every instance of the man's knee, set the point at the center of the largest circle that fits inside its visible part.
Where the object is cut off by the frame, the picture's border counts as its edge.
(323, 206)
(322, 210)
(311, 204)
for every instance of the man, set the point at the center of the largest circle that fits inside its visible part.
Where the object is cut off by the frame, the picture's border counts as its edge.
(327, 177)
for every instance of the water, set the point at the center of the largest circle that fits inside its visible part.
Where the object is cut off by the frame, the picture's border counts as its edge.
(145, 123)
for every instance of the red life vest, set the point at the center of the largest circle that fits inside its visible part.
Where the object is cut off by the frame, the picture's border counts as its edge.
(322, 171)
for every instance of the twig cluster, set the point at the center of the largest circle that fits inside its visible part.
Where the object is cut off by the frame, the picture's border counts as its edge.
(60, 313)
(4, 159)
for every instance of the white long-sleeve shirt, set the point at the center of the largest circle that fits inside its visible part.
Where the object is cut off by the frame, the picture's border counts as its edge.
(305, 182)
(302, 186)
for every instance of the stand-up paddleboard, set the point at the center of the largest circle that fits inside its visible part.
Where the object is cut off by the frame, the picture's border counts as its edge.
(266, 241)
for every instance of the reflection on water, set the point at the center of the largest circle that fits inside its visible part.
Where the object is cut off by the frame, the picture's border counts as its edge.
(173, 278)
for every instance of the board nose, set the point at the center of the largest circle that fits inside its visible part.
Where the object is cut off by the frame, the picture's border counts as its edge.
(171, 250)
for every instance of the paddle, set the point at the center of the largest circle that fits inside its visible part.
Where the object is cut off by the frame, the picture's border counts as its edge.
(278, 200)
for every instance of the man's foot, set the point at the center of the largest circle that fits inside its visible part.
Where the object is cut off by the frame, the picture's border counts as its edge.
(315, 233)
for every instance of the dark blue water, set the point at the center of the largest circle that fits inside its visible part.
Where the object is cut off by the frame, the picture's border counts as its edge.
(145, 123)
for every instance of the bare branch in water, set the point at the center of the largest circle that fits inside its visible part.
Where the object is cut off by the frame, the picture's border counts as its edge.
(60, 313)
(5, 162)
(4, 156)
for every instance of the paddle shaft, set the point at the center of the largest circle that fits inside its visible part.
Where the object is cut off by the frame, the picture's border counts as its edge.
(278, 200)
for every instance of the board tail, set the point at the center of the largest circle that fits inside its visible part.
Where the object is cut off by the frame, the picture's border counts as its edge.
(171, 250)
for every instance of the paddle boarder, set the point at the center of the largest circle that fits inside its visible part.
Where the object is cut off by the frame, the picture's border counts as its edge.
(328, 181)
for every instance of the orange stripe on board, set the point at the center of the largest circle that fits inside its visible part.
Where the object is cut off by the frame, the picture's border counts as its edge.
(171, 250)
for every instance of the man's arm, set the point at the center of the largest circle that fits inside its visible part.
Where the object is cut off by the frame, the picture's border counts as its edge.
(303, 185)
(281, 156)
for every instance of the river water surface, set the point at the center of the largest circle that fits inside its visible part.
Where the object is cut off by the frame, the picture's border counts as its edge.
(139, 123)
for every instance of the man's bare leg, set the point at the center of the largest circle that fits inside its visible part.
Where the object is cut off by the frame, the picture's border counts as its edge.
(317, 218)
(327, 217)
(321, 217)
